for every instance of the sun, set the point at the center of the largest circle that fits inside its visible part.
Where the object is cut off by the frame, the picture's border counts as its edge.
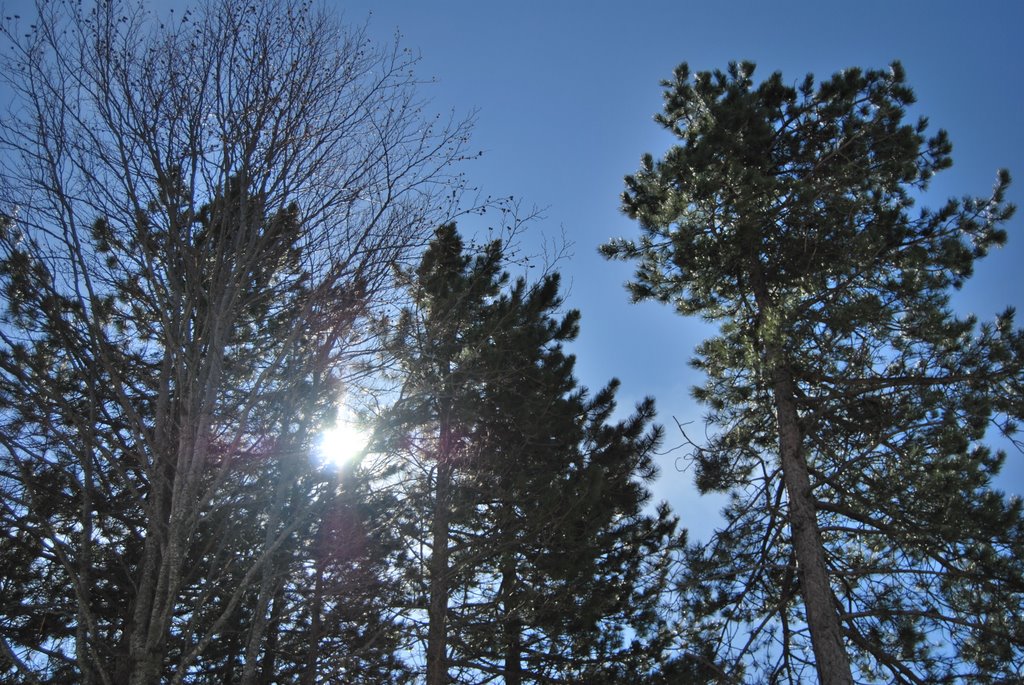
(343, 442)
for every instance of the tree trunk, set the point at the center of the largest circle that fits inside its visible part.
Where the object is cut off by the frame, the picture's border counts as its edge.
(513, 625)
(315, 626)
(437, 610)
(269, 665)
(831, 659)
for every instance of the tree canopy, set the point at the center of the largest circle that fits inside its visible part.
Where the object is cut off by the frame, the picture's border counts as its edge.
(215, 224)
(849, 403)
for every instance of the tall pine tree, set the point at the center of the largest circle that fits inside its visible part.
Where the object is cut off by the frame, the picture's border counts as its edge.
(862, 538)
(534, 560)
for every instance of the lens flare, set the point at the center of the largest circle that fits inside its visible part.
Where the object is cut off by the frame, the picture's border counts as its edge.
(342, 442)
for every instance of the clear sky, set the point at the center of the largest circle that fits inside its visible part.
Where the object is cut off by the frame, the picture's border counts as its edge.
(565, 93)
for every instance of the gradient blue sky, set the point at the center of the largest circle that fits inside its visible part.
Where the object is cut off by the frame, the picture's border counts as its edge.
(565, 93)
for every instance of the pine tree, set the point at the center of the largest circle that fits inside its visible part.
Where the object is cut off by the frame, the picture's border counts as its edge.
(535, 556)
(862, 535)
(144, 515)
(436, 345)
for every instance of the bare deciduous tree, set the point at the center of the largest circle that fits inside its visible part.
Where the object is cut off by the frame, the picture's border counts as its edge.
(197, 213)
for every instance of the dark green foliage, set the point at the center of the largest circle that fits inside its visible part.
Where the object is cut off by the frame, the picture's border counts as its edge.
(552, 571)
(786, 214)
(100, 443)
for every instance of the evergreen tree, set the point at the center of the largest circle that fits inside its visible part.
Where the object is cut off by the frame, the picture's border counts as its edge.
(525, 500)
(94, 502)
(436, 344)
(862, 535)
(334, 615)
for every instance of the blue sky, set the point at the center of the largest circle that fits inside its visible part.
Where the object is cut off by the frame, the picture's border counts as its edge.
(565, 93)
